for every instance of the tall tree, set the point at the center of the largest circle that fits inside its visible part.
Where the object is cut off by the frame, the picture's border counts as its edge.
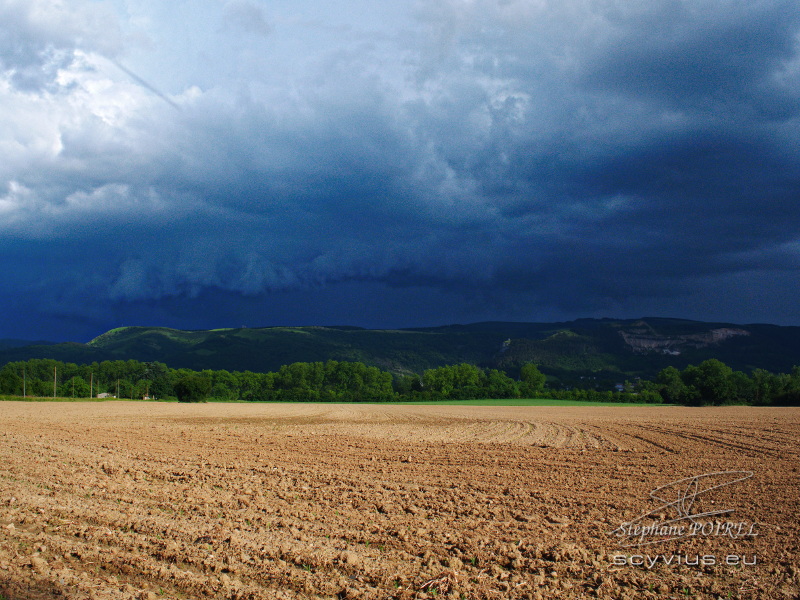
(532, 379)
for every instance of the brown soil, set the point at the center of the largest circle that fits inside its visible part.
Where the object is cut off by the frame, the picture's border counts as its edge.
(145, 500)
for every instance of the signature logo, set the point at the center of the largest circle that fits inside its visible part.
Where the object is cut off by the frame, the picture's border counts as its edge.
(687, 509)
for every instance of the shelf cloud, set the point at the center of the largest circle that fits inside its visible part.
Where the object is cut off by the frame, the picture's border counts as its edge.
(415, 164)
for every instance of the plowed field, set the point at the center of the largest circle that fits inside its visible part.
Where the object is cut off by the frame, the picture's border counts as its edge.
(147, 500)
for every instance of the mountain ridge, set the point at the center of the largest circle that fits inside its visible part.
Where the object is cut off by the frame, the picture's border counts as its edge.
(600, 348)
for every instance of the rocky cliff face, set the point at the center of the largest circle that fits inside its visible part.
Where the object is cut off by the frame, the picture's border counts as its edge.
(644, 340)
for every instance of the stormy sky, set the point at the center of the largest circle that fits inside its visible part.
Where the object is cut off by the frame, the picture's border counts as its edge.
(213, 163)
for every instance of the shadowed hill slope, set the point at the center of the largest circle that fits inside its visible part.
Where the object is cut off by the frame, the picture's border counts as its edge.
(601, 348)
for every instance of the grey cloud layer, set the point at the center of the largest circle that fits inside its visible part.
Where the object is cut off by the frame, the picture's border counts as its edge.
(580, 156)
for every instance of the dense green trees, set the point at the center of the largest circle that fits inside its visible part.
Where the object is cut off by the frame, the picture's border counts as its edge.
(126, 379)
(465, 381)
(711, 382)
(301, 382)
(711, 379)
(192, 388)
(532, 379)
(11, 382)
(331, 381)
(672, 388)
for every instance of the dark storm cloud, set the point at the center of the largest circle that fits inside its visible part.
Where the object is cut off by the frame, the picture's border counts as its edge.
(703, 48)
(511, 160)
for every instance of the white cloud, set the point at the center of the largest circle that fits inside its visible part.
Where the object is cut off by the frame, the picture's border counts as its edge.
(37, 37)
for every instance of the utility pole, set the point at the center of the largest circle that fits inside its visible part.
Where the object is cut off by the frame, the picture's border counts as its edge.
(24, 381)
(91, 385)
(54, 381)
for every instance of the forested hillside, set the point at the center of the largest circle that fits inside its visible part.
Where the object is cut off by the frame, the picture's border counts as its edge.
(585, 353)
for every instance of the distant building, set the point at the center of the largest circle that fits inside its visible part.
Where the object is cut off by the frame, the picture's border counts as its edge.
(105, 395)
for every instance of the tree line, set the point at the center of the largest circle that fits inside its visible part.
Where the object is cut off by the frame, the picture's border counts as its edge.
(709, 383)
(712, 382)
(332, 381)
